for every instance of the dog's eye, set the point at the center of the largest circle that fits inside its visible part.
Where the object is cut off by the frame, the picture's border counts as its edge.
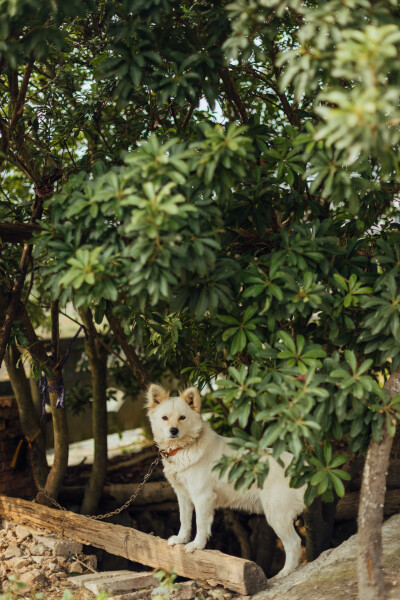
(165, 418)
(182, 418)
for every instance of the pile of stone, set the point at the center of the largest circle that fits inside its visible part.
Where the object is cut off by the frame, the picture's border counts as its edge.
(130, 585)
(50, 565)
(43, 562)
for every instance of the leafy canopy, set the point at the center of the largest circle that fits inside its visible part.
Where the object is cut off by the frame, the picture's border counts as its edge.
(228, 179)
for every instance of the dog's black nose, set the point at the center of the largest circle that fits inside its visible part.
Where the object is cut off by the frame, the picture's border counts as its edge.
(173, 430)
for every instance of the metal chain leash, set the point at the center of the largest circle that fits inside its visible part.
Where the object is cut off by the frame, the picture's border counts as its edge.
(118, 510)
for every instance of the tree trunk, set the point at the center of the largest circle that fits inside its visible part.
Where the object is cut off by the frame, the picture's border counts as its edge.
(370, 515)
(38, 353)
(98, 370)
(30, 423)
(61, 447)
(319, 520)
(36, 397)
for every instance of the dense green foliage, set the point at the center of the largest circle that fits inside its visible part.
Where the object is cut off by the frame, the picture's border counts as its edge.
(228, 179)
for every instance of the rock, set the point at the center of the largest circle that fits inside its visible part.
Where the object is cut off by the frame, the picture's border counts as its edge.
(75, 567)
(139, 595)
(161, 590)
(32, 577)
(122, 583)
(37, 549)
(333, 574)
(37, 559)
(218, 593)
(10, 536)
(17, 563)
(115, 581)
(60, 547)
(22, 532)
(82, 579)
(212, 582)
(91, 561)
(12, 551)
(61, 575)
(187, 591)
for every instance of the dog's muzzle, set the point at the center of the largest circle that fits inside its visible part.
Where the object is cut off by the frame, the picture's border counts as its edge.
(174, 431)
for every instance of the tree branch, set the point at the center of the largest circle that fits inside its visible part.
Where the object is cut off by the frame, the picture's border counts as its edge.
(20, 99)
(55, 331)
(232, 93)
(134, 362)
(18, 283)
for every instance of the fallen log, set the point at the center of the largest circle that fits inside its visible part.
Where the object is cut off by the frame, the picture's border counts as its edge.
(152, 453)
(152, 492)
(236, 574)
(347, 507)
(392, 480)
(17, 233)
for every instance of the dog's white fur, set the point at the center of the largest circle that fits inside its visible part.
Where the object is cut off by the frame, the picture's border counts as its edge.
(198, 487)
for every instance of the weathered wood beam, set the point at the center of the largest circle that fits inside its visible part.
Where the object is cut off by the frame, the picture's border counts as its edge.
(236, 574)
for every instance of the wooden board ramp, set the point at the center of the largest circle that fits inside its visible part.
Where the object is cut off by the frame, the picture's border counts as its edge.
(237, 574)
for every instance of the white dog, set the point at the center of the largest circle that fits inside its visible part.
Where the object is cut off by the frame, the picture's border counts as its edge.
(190, 449)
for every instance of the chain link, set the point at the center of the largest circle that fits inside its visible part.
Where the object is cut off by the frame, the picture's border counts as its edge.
(96, 517)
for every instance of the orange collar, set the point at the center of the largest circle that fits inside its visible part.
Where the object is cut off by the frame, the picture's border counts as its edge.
(168, 453)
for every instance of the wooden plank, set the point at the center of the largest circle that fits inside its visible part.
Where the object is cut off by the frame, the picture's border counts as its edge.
(236, 574)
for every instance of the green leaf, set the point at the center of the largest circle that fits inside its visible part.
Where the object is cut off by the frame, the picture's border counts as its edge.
(250, 312)
(288, 341)
(318, 477)
(238, 342)
(270, 436)
(228, 320)
(338, 485)
(341, 281)
(327, 452)
(351, 360)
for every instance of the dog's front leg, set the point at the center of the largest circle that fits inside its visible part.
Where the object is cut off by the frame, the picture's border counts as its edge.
(204, 507)
(185, 515)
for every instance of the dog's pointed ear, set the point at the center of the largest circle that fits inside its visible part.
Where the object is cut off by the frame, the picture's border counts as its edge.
(155, 395)
(192, 397)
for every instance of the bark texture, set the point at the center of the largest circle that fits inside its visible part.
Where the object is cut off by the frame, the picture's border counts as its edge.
(60, 423)
(370, 515)
(30, 421)
(38, 353)
(98, 370)
(60, 426)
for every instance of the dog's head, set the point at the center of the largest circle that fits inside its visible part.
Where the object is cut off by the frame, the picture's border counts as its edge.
(175, 421)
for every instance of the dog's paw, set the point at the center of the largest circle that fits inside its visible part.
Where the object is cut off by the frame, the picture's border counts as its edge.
(175, 539)
(192, 546)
